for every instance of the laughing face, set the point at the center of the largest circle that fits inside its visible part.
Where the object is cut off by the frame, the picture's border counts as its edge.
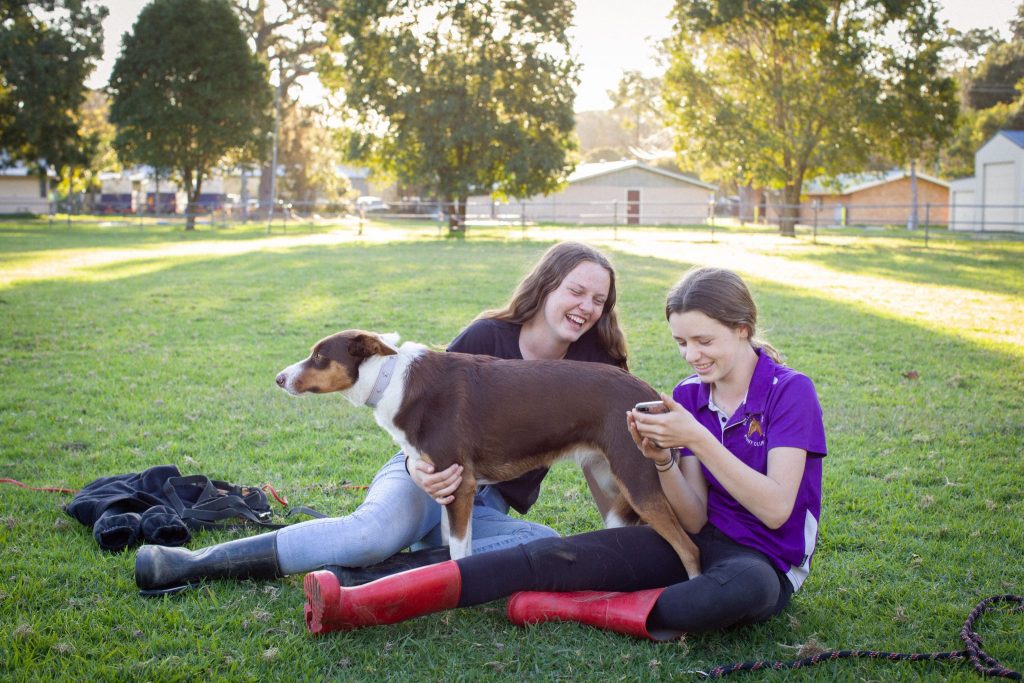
(577, 303)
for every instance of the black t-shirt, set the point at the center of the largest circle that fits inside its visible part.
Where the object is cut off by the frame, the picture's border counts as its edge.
(500, 338)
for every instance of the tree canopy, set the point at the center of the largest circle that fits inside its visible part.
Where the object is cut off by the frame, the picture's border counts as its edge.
(777, 92)
(187, 90)
(291, 39)
(47, 50)
(460, 97)
(992, 97)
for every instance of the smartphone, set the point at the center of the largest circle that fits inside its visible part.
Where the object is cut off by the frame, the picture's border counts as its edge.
(651, 407)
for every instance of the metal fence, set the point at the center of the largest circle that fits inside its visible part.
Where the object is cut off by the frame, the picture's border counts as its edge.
(808, 217)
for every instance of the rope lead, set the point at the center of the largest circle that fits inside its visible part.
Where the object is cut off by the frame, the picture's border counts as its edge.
(980, 660)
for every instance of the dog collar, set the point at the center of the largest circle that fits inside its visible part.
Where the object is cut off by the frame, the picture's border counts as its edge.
(383, 379)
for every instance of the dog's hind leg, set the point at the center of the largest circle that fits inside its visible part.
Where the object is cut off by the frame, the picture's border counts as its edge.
(659, 516)
(459, 515)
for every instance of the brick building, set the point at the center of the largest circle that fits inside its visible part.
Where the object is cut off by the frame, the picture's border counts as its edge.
(876, 199)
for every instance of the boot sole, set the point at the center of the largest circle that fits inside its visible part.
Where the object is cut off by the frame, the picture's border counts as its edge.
(322, 593)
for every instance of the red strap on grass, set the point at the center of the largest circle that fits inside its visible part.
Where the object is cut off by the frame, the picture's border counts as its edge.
(47, 489)
(280, 499)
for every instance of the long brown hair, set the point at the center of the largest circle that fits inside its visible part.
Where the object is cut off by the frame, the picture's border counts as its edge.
(546, 276)
(721, 295)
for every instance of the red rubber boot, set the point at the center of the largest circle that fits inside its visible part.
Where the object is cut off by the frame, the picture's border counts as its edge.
(620, 612)
(398, 597)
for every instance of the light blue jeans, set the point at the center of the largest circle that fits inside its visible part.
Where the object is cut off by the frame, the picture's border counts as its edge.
(396, 514)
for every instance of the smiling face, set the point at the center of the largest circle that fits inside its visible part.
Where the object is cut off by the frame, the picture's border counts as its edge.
(716, 352)
(576, 304)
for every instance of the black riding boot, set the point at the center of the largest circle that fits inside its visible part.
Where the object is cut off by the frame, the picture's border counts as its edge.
(165, 571)
(399, 562)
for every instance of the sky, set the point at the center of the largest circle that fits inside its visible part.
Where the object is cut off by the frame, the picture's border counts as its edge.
(610, 37)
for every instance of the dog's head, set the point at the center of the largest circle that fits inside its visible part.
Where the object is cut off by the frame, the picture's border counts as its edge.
(333, 364)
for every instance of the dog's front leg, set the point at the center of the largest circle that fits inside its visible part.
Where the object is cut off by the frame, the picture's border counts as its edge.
(458, 516)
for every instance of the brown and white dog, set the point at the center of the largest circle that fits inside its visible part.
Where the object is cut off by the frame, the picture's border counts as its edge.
(498, 419)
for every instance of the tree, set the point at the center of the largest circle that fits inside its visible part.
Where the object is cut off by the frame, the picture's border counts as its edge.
(96, 129)
(187, 90)
(47, 50)
(637, 105)
(778, 91)
(460, 96)
(309, 150)
(290, 38)
(991, 96)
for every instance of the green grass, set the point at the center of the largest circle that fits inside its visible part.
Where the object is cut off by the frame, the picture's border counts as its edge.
(126, 346)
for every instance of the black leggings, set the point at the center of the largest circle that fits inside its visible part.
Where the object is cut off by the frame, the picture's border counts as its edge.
(738, 585)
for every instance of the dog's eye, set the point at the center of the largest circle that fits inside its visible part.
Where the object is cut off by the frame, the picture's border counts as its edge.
(317, 358)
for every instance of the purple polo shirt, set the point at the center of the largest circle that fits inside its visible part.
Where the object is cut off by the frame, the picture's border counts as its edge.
(781, 409)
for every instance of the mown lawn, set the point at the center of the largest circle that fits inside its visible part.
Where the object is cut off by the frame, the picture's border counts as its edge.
(123, 347)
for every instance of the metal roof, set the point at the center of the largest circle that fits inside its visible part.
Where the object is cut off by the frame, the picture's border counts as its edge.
(855, 182)
(1015, 136)
(601, 168)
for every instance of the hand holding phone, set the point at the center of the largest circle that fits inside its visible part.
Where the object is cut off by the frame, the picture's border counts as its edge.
(651, 407)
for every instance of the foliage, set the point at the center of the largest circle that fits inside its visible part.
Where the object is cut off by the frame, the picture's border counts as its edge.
(309, 151)
(290, 39)
(997, 78)
(600, 136)
(47, 50)
(777, 92)
(974, 129)
(166, 351)
(96, 127)
(186, 90)
(992, 99)
(636, 103)
(460, 97)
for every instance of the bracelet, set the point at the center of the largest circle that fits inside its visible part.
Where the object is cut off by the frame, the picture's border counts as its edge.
(667, 465)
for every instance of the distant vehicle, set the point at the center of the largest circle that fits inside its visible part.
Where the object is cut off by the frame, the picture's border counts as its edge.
(368, 203)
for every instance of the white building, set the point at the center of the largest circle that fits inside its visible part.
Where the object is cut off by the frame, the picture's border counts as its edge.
(22, 191)
(994, 198)
(624, 192)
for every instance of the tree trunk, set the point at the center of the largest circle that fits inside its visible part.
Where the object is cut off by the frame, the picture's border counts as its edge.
(193, 197)
(789, 212)
(244, 195)
(456, 209)
(265, 176)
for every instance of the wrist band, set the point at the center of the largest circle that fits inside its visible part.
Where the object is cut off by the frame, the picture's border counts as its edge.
(667, 465)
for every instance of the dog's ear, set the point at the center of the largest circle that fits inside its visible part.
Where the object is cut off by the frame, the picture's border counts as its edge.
(365, 345)
(391, 339)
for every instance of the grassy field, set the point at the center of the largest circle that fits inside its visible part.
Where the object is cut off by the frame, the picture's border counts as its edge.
(123, 347)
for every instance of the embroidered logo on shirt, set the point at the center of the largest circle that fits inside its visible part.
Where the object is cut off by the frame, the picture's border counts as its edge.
(754, 435)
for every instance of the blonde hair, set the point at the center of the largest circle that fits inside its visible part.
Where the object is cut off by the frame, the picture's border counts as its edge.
(546, 276)
(721, 295)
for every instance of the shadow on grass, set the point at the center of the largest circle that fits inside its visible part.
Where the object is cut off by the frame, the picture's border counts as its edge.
(985, 267)
(39, 236)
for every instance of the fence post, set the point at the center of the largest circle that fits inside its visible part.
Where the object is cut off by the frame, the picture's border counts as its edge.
(522, 215)
(817, 205)
(712, 210)
(927, 220)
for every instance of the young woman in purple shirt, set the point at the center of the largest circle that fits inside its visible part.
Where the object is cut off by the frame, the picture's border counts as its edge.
(738, 449)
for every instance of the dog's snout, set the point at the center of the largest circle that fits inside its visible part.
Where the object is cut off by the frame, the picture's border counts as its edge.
(281, 379)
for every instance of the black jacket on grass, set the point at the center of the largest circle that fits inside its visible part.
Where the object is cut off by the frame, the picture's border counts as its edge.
(159, 505)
